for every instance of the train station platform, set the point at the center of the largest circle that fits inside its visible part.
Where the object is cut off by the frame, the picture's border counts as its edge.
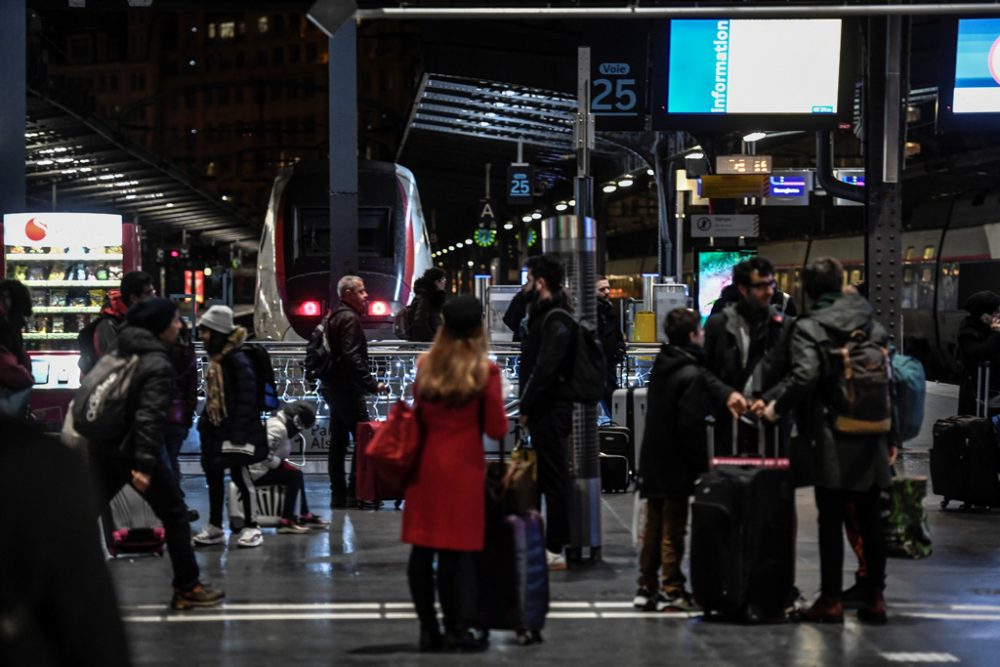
(341, 597)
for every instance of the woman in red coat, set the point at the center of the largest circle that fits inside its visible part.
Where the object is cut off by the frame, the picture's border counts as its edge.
(458, 398)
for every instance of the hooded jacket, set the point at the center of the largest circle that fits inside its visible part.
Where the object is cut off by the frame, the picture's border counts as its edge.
(428, 306)
(112, 318)
(977, 343)
(150, 398)
(349, 347)
(546, 357)
(674, 448)
(846, 462)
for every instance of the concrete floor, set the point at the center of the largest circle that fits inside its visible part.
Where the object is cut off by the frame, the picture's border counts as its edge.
(340, 597)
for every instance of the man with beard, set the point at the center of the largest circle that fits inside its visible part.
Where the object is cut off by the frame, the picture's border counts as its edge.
(746, 352)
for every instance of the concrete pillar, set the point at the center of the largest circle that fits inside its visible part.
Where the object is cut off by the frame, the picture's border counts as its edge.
(343, 119)
(13, 45)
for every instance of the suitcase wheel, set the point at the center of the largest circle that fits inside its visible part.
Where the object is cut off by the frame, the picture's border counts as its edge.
(753, 614)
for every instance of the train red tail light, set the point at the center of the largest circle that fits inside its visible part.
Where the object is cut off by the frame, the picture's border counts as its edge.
(378, 308)
(307, 309)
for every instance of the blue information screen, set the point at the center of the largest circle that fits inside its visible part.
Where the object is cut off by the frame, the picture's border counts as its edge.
(751, 66)
(977, 67)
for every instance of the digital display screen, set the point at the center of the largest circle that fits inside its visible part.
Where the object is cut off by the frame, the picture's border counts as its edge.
(750, 66)
(715, 272)
(977, 67)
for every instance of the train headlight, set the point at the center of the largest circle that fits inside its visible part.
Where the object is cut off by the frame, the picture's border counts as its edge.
(378, 308)
(308, 309)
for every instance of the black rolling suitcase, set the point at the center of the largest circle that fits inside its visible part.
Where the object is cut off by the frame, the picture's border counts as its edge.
(130, 526)
(615, 476)
(964, 455)
(743, 539)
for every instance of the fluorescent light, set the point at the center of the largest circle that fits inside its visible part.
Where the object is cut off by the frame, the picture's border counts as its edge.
(468, 241)
(609, 188)
(562, 206)
(697, 155)
(625, 182)
(451, 247)
(470, 263)
(508, 226)
(572, 202)
(525, 218)
(754, 136)
(459, 245)
(651, 172)
(536, 216)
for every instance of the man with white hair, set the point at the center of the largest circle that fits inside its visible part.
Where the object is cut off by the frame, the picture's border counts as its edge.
(347, 382)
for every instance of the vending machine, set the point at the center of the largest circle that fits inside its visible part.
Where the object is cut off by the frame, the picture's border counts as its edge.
(69, 261)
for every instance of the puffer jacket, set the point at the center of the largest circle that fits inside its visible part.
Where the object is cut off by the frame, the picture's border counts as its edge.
(150, 398)
(674, 446)
(349, 348)
(546, 357)
(610, 334)
(242, 424)
(279, 444)
(185, 399)
(977, 344)
(846, 462)
(428, 307)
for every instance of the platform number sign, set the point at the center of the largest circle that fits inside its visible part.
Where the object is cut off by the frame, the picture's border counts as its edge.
(618, 80)
(520, 184)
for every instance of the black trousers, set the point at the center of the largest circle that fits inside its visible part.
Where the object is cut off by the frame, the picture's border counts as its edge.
(550, 438)
(294, 483)
(832, 506)
(457, 588)
(215, 477)
(347, 408)
(112, 474)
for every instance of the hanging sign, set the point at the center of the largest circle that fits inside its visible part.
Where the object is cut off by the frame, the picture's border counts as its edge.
(704, 226)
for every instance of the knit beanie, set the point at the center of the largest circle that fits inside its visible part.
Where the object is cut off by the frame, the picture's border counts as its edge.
(154, 315)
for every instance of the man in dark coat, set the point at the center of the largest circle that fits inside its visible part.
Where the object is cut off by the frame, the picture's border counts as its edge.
(348, 383)
(674, 454)
(745, 353)
(978, 343)
(849, 468)
(427, 305)
(136, 287)
(546, 403)
(612, 340)
(152, 326)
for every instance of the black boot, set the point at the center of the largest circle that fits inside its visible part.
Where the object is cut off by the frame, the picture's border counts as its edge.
(857, 595)
(431, 638)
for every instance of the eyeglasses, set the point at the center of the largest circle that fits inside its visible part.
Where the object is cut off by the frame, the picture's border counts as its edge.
(764, 284)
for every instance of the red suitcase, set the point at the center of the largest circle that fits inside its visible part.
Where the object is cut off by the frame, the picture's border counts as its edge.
(366, 487)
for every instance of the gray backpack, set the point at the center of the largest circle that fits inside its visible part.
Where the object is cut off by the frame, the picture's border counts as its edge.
(101, 405)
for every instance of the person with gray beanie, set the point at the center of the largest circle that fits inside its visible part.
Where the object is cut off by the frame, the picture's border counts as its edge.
(282, 428)
(151, 327)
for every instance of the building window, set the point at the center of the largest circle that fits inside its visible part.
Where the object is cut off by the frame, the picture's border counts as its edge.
(227, 29)
(261, 58)
(223, 94)
(113, 83)
(293, 54)
(240, 59)
(211, 31)
(262, 25)
(275, 92)
(278, 56)
(211, 170)
(311, 53)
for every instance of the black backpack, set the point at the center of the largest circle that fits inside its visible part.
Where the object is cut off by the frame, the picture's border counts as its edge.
(587, 377)
(860, 389)
(403, 322)
(102, 406)
(263, 372)
(319, 361)
(85, 339)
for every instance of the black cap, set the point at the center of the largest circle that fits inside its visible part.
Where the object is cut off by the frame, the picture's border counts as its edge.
(154, 315)
(463, 316)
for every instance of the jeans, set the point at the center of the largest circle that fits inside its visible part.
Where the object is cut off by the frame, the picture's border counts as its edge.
(215, 477)
(550, 438)
(663, 544)
(346, 410)
(112, 474)
(294, 482)
(832, 506)
(457, 588)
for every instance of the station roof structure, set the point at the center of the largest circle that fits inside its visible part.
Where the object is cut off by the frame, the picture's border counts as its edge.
(82, 164)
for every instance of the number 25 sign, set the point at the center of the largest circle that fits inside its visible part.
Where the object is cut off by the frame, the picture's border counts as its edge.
(618, 80)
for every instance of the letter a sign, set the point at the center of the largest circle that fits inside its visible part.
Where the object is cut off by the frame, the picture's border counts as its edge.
(486, 216)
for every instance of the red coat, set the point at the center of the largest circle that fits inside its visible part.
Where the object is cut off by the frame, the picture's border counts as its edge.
(445, 500)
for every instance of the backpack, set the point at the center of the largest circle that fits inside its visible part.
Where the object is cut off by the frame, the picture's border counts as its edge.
(101, 408)
(587, 376)
(403, 322)
(263, 372)
(318, 361)
(85, 339)
(861, 386)
(910, 383)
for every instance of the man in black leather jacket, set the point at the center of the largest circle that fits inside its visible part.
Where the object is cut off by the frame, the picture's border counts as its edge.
(546, 406)
(152, 326)
(612, 339)
(348, 382)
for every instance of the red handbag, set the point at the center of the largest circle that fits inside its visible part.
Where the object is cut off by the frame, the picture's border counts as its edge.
(393, 452)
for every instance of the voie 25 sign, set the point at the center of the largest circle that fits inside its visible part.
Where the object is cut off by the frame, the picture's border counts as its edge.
(618, 80)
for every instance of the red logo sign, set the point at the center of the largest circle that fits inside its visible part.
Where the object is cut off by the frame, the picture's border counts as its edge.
(35, 231)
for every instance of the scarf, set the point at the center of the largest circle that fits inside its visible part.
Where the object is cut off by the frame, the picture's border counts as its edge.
(215, 386)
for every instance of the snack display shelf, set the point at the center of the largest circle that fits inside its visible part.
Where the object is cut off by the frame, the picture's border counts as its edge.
(74, 310)
(71, 283)
(75, 257)
(50, 336)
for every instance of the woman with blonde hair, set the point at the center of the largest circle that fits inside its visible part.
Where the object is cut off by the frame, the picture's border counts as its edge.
(458, 399)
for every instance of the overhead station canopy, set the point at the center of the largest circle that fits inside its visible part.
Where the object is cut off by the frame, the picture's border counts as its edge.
(85, 166)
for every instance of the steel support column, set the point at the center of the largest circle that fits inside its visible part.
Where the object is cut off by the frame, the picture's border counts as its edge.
(883, 168)
(13, 45)
(343, 118)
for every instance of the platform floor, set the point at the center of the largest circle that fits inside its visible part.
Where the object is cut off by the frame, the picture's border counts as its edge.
(340, 597)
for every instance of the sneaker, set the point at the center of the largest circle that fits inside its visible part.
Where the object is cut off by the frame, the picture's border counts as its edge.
(310, 520)
(250, 537)
(675, 602)
(289, 527)
(199, 596)
(556, 562)
(642, 598)
(210, 535)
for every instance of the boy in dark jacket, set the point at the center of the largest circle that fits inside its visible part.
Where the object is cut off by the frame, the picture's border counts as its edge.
(674, 454)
